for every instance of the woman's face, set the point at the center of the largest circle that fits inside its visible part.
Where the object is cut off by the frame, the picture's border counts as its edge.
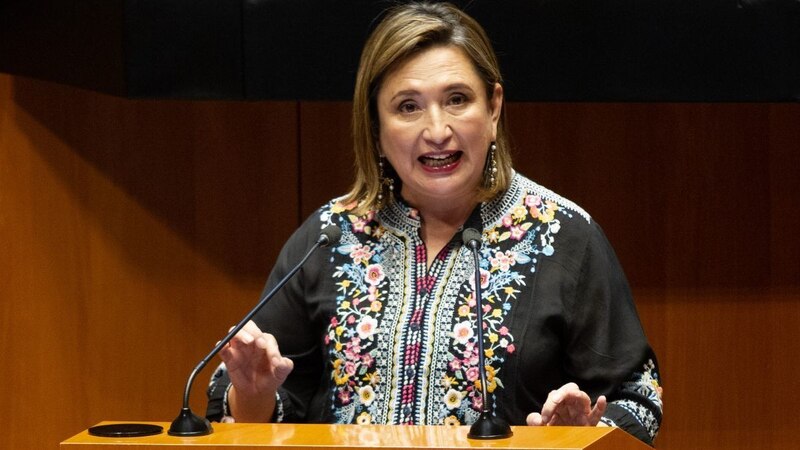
(436, 125)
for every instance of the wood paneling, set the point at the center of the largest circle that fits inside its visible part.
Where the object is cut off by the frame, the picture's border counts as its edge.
(727, 364)
(783, 150)
(327, 157)
(682, 190)
(133, 233)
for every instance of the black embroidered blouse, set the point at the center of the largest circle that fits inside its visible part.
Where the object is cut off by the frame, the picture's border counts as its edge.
(378, 336)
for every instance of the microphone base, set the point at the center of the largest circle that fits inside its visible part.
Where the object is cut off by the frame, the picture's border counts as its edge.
(489, 427)
(123, 430)
(189, 424)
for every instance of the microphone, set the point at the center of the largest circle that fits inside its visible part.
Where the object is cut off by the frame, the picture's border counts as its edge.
(488, 426)
(189, 424)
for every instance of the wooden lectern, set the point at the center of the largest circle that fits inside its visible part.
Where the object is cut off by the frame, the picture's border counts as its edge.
(245, 436)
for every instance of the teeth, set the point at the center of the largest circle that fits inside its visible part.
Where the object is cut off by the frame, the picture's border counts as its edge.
(439, 160)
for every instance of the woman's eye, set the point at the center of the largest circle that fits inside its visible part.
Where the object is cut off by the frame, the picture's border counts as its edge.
(458, 99)
(407, 107)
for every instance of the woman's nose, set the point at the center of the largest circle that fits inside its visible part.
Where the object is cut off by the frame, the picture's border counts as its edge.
(437, 127)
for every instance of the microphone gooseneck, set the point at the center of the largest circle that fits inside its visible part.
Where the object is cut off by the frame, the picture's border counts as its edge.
(189, 424)
(488, 426)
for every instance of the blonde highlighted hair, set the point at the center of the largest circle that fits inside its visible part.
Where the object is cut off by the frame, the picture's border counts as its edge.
(405, 31)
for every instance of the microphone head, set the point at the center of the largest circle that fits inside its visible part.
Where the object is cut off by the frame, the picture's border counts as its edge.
(329, 235)
(471, 237)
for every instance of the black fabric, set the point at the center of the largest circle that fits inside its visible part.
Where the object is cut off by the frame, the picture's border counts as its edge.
(573, 318)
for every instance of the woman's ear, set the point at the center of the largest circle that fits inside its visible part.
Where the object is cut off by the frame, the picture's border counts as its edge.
(496, 104)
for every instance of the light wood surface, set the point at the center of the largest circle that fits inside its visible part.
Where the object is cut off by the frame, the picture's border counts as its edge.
(384, 437)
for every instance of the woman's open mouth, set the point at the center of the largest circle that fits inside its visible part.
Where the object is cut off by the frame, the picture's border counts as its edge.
(440, 161)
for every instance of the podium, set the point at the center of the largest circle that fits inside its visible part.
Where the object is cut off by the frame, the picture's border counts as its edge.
(246, 436)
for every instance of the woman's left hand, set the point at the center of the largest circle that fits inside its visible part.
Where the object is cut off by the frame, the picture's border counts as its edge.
(569, 406)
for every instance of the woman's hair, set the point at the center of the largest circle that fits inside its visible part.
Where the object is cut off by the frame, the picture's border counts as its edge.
(405, 31)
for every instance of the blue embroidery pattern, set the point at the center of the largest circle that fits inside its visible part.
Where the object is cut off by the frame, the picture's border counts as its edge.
(392, 318)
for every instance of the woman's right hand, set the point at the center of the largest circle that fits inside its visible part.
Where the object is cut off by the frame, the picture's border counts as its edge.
(256, 369)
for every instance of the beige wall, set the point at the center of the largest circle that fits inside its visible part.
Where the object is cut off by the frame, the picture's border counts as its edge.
(134, 233)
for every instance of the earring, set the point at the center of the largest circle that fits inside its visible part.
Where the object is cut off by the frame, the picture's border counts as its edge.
(384, 182)
(490, 173)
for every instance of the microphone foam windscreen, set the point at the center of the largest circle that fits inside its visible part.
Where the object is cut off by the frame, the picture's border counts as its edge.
(332, 233)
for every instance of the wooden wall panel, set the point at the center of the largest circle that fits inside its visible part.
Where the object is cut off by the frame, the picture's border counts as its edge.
(784, 215)
(725, 356)
(671, 184)
(134, 233)
(326, 153)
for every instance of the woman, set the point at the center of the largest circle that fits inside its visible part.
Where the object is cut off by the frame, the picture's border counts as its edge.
(380, 328)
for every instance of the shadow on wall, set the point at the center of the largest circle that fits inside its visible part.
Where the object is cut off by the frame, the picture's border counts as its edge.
(221, 175)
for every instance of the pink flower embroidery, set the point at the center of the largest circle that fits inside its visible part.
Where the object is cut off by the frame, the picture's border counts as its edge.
(373, 293)
(485, 275)
(533, 200)
(462, 332)
(477, 402)
(503, 261)
(374, 274)
(367, 359)
(361, 253)
(359, 225)
(517, 233)
(367, 327)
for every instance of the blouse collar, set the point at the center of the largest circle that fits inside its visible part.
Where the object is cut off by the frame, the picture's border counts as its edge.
(399, 216)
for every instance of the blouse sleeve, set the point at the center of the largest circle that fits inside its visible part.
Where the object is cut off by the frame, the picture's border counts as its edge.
(217, 393)
(287, 316)
(607, 350)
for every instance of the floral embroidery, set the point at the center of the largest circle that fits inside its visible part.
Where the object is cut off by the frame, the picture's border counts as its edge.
(364, 419)
(352, 331)
(452, 421)
(644, 383)
(409, 353)
(530, 227)
(389, 311)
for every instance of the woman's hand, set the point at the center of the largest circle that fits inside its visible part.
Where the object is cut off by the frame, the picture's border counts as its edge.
(569, 406)
(256, 369)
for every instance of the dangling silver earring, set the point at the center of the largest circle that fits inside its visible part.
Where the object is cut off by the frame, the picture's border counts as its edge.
(384, 181)
(490, 172)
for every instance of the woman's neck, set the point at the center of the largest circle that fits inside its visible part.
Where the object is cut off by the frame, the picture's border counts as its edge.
(440, 220)
(444, 213)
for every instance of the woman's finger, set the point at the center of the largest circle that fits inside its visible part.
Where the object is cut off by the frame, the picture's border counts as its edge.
(598, 410)
(534, 420)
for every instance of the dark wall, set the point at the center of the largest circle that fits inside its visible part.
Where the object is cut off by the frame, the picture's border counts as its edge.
(566, 50)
